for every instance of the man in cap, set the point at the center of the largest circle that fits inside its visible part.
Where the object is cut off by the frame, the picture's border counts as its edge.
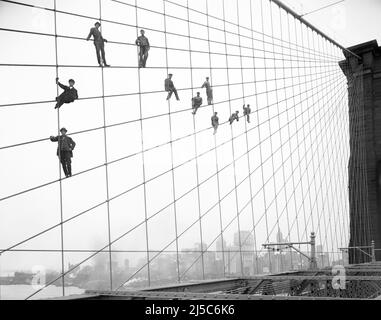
(196, 103)
(233, 117)
(99, 43)
(215, 122)
(246, 112)
(143, 44)
(69, 95)
(65, 149)
(170, 87)
(209, 90)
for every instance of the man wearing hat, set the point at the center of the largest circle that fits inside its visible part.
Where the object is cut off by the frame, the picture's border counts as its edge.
(99, 43)
(143, 44)
(246, 112)
(170, 87)
(196, 103)
(209, 90)
(234, 117)
(69, 95)
(65, 149)
(215, 122)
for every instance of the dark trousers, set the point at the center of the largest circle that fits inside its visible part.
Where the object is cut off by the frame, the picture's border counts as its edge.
(61, 99)
(100, 50)
(143, 56)
(195, 108)
(209, 94)
(65, 158)
(170, 94)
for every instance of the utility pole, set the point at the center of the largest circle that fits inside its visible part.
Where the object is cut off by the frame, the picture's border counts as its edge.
(312, 243)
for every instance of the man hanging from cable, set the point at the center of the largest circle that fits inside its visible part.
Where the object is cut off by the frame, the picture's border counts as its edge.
(143, 44)
(65, 149)
(196, 103)
(68, 96)
(209, 90)
(215, 122)
(170, 87)
(234, 117)
(99, 43)
(246, 112)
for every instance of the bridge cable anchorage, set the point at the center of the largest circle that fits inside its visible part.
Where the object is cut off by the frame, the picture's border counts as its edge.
(281, 172)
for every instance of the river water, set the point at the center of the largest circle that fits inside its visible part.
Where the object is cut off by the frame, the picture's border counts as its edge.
(20, 292)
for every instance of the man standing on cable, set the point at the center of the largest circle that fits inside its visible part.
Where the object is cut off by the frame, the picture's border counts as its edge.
(143, 44)
(196, 103)
(68, 96)
(233, 117)
(215, 122)
(170, 87)
(209, 90)
(65, 149)
(99, 43)
(246, 112)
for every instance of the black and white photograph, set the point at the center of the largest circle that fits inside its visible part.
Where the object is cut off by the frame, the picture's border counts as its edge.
(203, 152)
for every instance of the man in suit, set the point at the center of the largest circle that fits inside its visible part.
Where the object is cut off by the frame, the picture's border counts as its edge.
(246, 112)
(68, 96)
(143, 44)
(209, 90)
(99, 43)
(215, 122)
(65, 149)
(234, 117)
(170, 87)
(196, 103)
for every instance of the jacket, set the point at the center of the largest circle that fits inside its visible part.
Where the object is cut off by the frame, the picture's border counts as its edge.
(246, 111)
(206, 85)
(69, 94)
(196, 101)
(142, 41)
(233, 117)
(98, 39)
(65, 143)
(168, 85)
(215, 120)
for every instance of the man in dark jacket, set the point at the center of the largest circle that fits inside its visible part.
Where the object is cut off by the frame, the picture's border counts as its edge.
(99, 43)
(209, 90)
(196, 103)
(65, 149)
(215, 122)
(246, 112)
(143, 44)
(69, 95)
(170, 87)
(234, 117)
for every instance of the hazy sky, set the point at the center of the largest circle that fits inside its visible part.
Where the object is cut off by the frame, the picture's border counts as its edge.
(291, 162)
(350, 22)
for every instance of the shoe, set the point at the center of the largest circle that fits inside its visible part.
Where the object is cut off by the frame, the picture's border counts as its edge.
(106, 65)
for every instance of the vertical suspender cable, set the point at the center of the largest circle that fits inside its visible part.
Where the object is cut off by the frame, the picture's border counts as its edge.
(196, 152)
(172, 161)
(259, 128)
(59, 158)
(255, 261)
(232, 143)
(106, 163)
(143, 157)
(215, 147)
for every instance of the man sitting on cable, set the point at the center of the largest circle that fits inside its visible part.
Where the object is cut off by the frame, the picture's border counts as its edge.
(68, 96)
